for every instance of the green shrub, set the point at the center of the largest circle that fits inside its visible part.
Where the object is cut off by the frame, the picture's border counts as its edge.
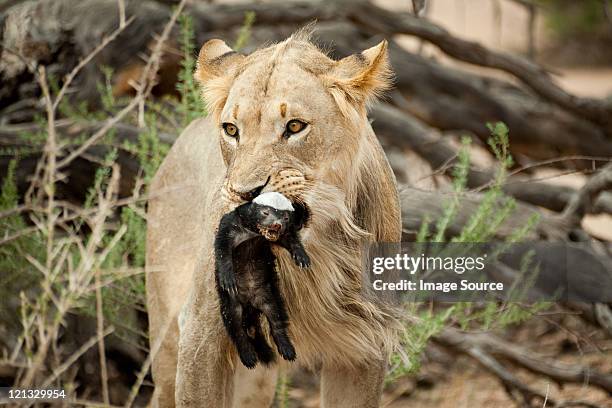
(494, 208)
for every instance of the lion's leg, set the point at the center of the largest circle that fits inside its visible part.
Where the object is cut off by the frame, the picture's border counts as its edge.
(164, 366)
(254, 388)
(343, 387)
(204, 371)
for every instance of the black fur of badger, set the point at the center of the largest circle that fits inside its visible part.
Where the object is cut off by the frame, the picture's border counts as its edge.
(247, 282)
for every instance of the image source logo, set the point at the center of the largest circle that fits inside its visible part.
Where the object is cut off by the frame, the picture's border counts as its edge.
(458, 272)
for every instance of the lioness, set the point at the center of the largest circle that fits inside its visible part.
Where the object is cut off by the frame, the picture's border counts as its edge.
(290, 114)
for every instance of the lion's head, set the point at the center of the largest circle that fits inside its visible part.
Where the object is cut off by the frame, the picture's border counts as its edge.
(289, 106)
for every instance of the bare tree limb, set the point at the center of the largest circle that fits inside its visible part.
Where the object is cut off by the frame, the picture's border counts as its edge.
(383, 21)
(563, 373)
(512, 384)
(520, 392)
(580, 202)
(144, 85)
(70, 77)
(395, 127)
(414, 212)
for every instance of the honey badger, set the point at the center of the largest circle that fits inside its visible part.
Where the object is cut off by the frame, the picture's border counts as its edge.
(246, 280)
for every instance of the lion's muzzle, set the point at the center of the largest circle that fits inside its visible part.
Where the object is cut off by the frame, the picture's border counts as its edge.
(246, 193)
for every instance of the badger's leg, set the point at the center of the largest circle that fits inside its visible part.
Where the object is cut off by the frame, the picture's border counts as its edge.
(224, 245)
(252, 326)
(232, 314)
(278, 328)
(291, 242)
(272, 306)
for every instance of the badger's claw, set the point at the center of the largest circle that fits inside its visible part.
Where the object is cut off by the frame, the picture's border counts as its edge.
(247, 354)
(228, 284)
(301, 258)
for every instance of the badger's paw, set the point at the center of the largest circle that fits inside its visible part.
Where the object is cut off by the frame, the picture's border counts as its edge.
(227, 282)
(286, 350)
(301, 258)
(248, 358)
(265, 354)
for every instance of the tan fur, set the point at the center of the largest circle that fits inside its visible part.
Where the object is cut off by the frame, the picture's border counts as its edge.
(358, 80)
(335, 166)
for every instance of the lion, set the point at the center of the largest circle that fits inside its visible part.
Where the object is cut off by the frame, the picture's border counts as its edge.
(285, 118)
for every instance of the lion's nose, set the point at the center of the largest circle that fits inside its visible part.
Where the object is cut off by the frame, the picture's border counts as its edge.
(247, 193)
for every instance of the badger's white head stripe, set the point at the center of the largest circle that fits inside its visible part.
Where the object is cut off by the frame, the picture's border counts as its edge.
(274, 200)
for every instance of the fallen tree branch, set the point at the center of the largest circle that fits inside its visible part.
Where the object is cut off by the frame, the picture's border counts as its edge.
(404, 131)
(453, 100)
(414, 212)
(583, 200)
(526, 395)
(520, 392)
(562, 373)
(380, 20)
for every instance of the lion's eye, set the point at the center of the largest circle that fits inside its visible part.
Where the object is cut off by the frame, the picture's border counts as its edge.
(294, 126)
(230, 129)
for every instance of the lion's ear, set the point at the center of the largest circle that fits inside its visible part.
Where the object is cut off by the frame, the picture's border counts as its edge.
(363, 77)
(215, 59)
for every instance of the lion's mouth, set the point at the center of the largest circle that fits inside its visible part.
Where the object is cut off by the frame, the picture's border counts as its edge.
(246, 195)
